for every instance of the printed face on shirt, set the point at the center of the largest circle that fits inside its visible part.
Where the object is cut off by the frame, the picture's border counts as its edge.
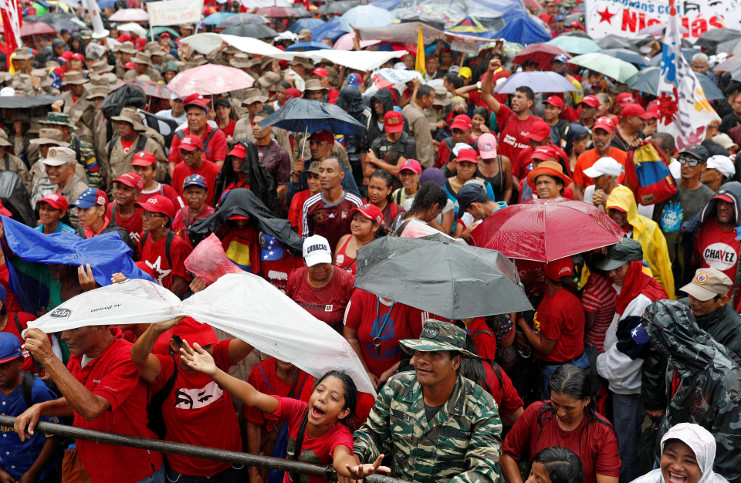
(679, 463)
(327, 402)
(435, 367)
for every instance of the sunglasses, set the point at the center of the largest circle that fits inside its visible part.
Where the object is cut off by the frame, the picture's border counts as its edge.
(690, 160)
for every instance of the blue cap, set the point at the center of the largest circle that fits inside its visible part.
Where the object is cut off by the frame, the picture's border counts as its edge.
(270, 248)
(561, 58)
(195, 180)
(469, 193)
(560, 18)
(354, 80)
(397, 108)
(91, 197)
(10, 347)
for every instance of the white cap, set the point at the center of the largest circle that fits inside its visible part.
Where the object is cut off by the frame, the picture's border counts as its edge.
(722, 164)
(606, 165)
(457, 148)
(7, 92)
(316, 251)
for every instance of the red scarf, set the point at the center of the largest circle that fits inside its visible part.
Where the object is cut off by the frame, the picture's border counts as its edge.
(637, 282)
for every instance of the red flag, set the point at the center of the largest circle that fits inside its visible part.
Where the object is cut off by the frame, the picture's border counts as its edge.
(12, 20)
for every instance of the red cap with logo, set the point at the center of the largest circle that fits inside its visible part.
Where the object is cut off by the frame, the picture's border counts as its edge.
(323, 135)
(539, 131)
(557, 269)
(132, 180)
(393, 122)
(191, 143)
(555, 101)
(461, 122)
(144, 158)
(196, 100)
(320, 72)
(544, 153)
(632, 109)
(624, 98)
(56, 201)
(605, 123)
(238, 150)
(591, 101)
(158, 204)
(467, 155)
(372, 212)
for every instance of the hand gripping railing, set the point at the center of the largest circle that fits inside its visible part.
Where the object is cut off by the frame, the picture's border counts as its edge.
(191, 450)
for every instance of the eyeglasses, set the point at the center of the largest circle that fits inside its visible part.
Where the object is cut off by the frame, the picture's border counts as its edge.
(187, 154)
(150, 214)
(692, 161)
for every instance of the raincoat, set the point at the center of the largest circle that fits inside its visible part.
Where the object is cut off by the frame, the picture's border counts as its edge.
(703, 383)
(647, 233)
(701, 442)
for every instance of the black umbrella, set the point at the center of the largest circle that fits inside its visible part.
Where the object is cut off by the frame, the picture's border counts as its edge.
(242, 18)
(303, 115)
(60, 20)
(337, 7)
(446, 278)
(615, 42)
(647, 81)
(627, 55)
(711, 38)
(732, 46)
(254, 30)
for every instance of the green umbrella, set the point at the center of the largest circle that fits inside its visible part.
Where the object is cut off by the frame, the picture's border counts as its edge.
(575, 45)
(618, 69)
(159, 30)
(40, 9)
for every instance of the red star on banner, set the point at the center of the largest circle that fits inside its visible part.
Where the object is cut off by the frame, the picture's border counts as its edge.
(605, 16)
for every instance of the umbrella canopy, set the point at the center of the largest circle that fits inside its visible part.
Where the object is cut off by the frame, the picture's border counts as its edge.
(210, 79)
(304, 46)
(303, 115)
(658, 29)
(159, 30)
(538, 81)
(241, 18)
(575, 45)
(58, 20)
(277, 12)
(615, 42)
(445, 278)
(729, 65)
(346, 42)
(365, 16)
(337, 7)
(152, 88)
(647, 80)
(130, 15)
(253, 30)
(732, 46)
(132, 27)
(218, 17)
(305, 23)
(607, 65)
(711, 38)
(626, 55)
(542, 54)
(37, 28)
(546, 230)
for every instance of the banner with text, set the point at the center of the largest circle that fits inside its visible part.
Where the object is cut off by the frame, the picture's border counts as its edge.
(626, 18)
(174, 12)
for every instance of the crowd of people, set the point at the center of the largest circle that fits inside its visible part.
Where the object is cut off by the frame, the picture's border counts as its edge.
(626, 370)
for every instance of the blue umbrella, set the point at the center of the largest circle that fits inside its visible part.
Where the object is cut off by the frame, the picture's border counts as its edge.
(575, 45)
(627, 55)
(303, 115)
(647, 81)
(305, 23)
(537, 81)
(365, 16)
(304, 46)
(101, 3)
(329, 30)
(217, 17)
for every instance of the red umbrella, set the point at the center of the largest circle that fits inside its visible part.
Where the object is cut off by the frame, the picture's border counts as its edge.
(278, 12)
(546, 230)
(36, 28)
(543, 54)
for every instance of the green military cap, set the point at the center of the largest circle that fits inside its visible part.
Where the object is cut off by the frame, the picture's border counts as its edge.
(58, 118)
(438, 336)
(628, 250)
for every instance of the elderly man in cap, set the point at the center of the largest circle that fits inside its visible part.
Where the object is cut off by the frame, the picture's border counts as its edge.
(718, 170)
(37, 149)
(142, 66)
(438, 425)
(101, 388)
(21, 60)
(213, 140)
(253, 101)
(129, 141)
(60, 169)
(84, 151)
(314, 91)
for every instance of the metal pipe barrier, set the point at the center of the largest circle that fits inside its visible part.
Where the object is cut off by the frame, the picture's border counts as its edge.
(247, 459)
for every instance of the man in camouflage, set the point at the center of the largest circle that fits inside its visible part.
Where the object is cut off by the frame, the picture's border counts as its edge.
(703, 383)
(438, 425)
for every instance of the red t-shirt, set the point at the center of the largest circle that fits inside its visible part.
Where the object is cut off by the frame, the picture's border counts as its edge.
(523, 165)
(297, 204)
(560, 317)
(11, 301)
(390, 322)
(215, 150)
(593, 441)
(276, 271)
(331, 221)
(153, 254)
(317, 450)
(183, 219)
(325, 303)
(598, 298)
(229, 129)
(504, 393)
(126, 145)
(512, 132)
(195, 406)
(12, 328)
(717, 248)
(113, 376)
(132, 224)
(208, 170)
(486, 343)
(242, 247)
(163, 190)
(271, 384)
(588, 158)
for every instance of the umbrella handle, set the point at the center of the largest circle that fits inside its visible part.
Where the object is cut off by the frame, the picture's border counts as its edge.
(303, 146)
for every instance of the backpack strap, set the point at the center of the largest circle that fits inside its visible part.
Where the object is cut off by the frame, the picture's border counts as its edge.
(168, 244)
(269, 387)
(18, 323)
(6, 158)
(162, 394)
(140, 143)
(208, 138)
(180, 134)
(111, 145)
(27, 387)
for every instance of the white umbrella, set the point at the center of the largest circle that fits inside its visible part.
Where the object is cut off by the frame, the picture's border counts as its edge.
(132, 27)
(130, 15)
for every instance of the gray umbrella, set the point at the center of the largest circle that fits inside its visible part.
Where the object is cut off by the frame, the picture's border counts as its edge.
(711, 38)
(615, 42)
(443, 277)
(254, 30)
(242, 18)
(647, 80)
(338, 7)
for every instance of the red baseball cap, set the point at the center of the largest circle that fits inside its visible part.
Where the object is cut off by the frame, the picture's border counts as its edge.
(79, 57)
(132, 180)
(196, 100)
(238, 151)
(67, 55)
(591, 101)
(563, 267)
(323, 135)
(411, 165)
(605, 123)
(555, 101)
(543, 153)
(56, 201)
(165, 34)
(293, 93)
(539, 131)
(467, 155)
(158, 204)
(144, 158)
(461, 122)
(191, 143)
(129, 65)
(372, 212)
(393, 122)
(624, 98)
(632, 109)
(320, 72)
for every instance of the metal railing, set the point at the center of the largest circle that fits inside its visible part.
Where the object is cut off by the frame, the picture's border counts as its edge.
(191, 450)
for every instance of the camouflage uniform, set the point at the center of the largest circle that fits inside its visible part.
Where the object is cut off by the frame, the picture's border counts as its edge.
(705, 382)
(461, 443)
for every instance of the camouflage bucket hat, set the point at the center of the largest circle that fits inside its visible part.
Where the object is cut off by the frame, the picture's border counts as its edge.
(58, 118)
(438, 336)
